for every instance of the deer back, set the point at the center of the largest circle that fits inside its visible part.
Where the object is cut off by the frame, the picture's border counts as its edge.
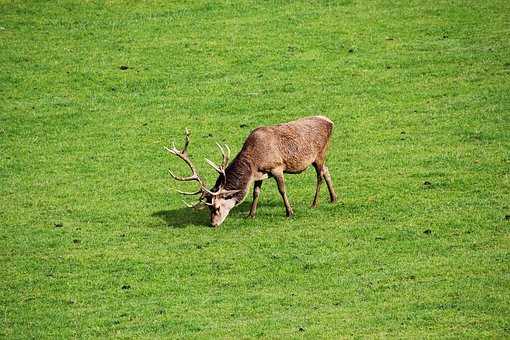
(292, 146)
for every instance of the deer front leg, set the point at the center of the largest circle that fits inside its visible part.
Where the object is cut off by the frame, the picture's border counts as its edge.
(278, 175)
(256, 192)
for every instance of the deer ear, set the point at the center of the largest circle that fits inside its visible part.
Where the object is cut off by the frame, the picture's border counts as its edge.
(228, 203)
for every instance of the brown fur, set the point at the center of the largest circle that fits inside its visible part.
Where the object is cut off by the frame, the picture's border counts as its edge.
(273, 150)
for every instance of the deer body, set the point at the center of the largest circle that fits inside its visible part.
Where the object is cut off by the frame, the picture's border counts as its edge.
(271, 151)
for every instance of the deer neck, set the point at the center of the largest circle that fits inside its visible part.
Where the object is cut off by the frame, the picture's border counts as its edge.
(239, 177)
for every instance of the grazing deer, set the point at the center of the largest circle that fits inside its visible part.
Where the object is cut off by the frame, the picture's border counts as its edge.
(269, 151)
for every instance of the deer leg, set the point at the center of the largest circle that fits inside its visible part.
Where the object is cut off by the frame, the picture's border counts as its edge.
(319, 170)
(329, 182)
(256, 192)
(278, 175)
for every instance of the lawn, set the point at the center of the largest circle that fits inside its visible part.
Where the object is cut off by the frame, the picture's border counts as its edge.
(96, 243)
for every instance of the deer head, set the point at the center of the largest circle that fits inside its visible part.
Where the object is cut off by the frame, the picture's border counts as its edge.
(220, 201)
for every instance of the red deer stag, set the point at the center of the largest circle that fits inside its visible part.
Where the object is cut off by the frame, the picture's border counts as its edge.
(269, 151)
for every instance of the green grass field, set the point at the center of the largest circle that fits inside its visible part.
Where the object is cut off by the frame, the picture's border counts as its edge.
(95, 242)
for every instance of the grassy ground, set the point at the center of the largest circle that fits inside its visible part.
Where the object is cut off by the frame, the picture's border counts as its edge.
(95, 243)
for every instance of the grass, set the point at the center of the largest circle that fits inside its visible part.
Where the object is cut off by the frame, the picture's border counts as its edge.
(94, 242)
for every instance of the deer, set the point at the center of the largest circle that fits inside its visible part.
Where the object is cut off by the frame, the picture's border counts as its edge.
(268, 152)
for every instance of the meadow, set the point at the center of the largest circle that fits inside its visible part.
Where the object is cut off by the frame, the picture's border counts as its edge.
(96, 243)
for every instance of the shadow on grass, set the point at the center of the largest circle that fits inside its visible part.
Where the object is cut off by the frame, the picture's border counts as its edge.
(182, 217)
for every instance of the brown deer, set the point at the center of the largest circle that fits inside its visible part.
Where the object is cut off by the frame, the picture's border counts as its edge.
(269, 151)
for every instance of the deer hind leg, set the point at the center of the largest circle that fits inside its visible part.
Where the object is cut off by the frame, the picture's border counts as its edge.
(319, 169)
(278, 175)
(256, 192)
(329, 182)
(323, 173)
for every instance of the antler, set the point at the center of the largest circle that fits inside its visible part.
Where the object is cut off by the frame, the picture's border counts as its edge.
(221, 169)
(183, 154)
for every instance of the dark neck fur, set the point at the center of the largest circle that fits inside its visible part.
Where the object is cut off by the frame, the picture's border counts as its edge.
(239, 174)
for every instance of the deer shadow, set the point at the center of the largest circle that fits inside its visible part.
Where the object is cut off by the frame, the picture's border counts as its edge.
(182, 217)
